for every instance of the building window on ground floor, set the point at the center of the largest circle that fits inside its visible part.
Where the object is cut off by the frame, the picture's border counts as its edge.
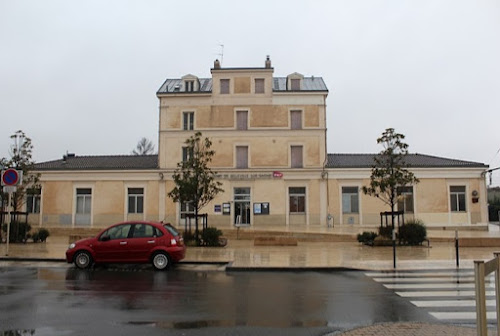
(405, 199)
(33, 200)
(297, 200)
(350, 200)
(135, 200)
(83, 200)
(457, 198)
(186, 208)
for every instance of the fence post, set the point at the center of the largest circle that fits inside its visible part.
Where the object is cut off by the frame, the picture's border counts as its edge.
(480, 298)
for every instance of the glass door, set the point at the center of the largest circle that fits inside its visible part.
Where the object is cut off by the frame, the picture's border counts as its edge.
(241, 206)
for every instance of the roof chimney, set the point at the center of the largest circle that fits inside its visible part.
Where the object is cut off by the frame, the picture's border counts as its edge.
(268, 62)
(216, 64)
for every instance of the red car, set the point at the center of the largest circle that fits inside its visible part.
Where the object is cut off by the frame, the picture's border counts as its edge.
(130, 242)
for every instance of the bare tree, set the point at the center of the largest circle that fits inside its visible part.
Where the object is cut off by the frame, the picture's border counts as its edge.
(144, 147)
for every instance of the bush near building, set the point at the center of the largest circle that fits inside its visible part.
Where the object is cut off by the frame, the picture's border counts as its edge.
(413, 232)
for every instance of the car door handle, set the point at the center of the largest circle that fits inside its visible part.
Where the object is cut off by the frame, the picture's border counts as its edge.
(151, 241)
(123, 243)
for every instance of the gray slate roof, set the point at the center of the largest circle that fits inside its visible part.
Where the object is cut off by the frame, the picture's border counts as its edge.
(105, 162)
(414, 160)
(148, 162)
(310, 84)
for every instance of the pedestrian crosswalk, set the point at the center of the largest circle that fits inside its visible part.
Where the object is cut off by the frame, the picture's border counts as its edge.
(447, 295)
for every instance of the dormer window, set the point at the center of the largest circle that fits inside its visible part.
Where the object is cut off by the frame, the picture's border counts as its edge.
(294, 82)
(190, 83)
(189, 86)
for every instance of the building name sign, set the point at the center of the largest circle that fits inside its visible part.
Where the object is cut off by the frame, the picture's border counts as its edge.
(258, 176)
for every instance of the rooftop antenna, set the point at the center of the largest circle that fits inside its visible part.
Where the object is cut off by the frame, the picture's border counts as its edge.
(221, 54)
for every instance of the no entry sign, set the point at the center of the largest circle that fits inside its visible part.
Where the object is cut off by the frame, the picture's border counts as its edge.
(11, 177)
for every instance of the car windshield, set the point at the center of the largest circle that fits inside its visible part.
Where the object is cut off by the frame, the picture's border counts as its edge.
(171, 229)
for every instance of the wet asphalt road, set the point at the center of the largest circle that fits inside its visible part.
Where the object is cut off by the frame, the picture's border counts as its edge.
(123, 300)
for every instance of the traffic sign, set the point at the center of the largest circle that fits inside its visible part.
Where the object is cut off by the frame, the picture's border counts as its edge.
(9, 189)
(11, 177)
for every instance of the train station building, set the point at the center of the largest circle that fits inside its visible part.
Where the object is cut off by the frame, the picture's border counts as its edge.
(269, 137)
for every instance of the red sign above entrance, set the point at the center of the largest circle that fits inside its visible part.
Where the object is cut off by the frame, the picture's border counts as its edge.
(277, 174)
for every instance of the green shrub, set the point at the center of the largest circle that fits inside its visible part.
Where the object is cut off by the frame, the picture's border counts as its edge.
(188, 237)
(367, 237)
(35, 236)
(413, 232)
(385, 231)
(210, 236)
(43, 234)
(18, 231)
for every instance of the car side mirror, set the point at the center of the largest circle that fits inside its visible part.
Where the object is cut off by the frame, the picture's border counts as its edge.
(105, 238)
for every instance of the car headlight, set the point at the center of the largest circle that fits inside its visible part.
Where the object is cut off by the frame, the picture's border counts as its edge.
(72, 245)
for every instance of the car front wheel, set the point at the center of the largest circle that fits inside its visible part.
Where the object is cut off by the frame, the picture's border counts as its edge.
(82, 259)
(161, 261)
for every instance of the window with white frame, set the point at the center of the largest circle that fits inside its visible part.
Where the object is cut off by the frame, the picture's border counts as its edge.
(241, 157)
(259, 85)
(297, 198)
(188, 121)
(296, 156)
(242, 120)
(187, 153)
(350, 200)
(135, 200)
(83, 201)
(405, 199)
(224, 86)
(33, 200)
(457, 199)
(187, 208)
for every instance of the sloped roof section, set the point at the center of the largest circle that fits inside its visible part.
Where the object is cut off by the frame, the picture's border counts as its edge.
(413, 160)
(310, 84)
(105, 162)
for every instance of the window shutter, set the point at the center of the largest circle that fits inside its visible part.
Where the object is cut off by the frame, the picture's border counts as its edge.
(241, 157)
(242, 120)
(296, 159)
(296, 120)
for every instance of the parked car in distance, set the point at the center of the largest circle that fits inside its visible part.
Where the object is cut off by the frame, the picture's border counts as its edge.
(130, 242)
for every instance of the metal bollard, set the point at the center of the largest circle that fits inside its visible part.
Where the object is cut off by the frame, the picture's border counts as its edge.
(456, 248)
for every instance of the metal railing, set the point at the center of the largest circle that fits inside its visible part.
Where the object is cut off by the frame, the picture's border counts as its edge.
(481, 270)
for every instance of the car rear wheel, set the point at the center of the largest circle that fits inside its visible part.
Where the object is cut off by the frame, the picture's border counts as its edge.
(161, 261)
(82, 259)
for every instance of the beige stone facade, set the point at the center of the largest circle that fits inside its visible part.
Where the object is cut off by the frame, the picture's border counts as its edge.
(269, 135)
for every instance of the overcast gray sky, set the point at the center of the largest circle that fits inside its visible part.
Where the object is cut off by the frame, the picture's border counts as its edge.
(81, 76)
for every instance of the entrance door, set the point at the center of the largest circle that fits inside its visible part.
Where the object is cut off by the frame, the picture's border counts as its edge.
(242, 206)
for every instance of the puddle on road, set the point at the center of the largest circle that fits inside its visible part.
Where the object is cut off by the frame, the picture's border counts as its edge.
(229, 323)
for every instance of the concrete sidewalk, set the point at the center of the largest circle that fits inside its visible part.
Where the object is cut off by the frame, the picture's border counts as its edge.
(242, 254)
